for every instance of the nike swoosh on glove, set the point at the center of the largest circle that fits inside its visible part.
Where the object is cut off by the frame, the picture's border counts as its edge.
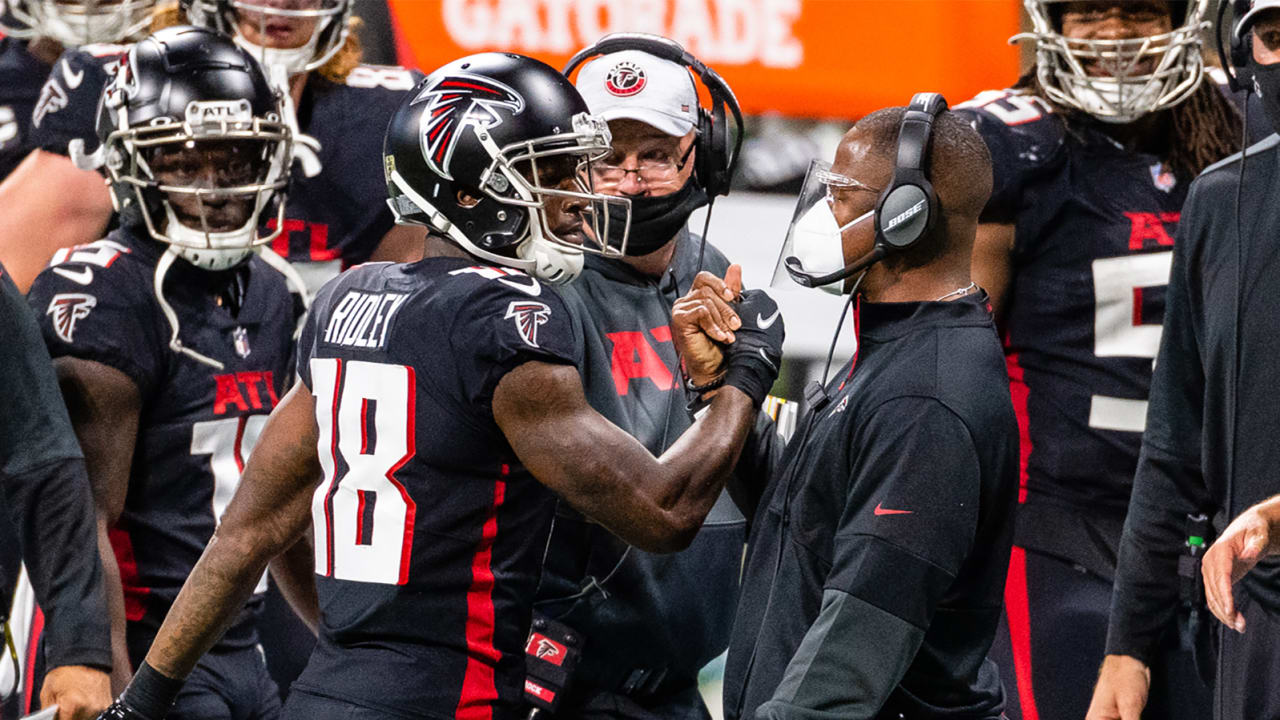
(756, 352)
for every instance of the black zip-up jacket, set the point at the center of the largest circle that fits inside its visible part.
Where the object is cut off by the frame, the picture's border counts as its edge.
(650, 621)
(877, 555)
(1210, 443)
(44, 492)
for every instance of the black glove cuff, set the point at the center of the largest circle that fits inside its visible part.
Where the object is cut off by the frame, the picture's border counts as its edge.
(753, 377)
(150, 694)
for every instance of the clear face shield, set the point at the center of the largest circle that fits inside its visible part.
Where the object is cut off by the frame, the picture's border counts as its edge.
(202, 184)
(814, 246)
(551, 179)
(294, 34)
(85, 22)
(1118, 80)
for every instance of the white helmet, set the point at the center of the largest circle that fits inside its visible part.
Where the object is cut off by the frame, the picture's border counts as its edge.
(77, 22)
(1120, 96)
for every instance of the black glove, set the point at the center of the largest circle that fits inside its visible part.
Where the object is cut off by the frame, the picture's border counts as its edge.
(756, 351)
(120, 711)
(148, 696)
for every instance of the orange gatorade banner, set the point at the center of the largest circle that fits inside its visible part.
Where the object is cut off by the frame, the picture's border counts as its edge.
(810, 58)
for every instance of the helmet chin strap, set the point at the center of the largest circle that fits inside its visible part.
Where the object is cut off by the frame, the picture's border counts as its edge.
(162, 269)
(291, 278)
(306, 149)
(293, 60)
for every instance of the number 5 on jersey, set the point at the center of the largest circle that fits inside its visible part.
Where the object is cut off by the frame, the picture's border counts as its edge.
(363, 516)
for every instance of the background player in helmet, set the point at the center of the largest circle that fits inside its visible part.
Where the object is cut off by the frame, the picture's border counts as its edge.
(649, 621)
(1093, 151)
(35, 34)
(338, 217)
(171, 339)
(431, 396)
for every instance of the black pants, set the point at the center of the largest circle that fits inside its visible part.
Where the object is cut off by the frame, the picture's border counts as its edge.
(1052, 639)
(1248, 685)
(225, 685)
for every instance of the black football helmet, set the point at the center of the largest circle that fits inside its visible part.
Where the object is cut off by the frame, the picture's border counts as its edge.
(329, 34)
(192, 94)
(76, 22)
(509, 133)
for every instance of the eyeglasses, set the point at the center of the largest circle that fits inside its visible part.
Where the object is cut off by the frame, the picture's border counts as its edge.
(654, 167)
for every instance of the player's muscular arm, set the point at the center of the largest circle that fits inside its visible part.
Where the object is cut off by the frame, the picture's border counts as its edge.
(48, 204)
(268, 514)
(993, 262)
(656, 504)
(104, 405)
(294, 573)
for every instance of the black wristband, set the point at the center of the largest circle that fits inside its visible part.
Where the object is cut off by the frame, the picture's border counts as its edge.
(150, 693)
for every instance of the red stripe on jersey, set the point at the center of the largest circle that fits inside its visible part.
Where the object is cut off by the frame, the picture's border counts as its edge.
(411, 449)
(237, 451)
(1137, 306)
(364, 426)
(33, 647)
(478, 688)
(333, 454)
(135, 606)
(360, 494)
(1020, 392)
(1018, 612)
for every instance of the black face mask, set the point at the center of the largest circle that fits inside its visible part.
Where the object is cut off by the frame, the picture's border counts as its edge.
(656, 220)
(1266, 81)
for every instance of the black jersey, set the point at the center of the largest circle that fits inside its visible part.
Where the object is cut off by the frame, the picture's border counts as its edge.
(23, 77)
(198, 424)
(334, 219)
(429, 532)
(1094, 228)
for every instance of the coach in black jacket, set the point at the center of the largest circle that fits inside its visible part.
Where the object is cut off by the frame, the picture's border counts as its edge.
(878, 546)
(44, 492)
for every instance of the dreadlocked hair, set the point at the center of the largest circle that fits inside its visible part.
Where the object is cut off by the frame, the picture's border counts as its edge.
(335, 70)
(1202, 129)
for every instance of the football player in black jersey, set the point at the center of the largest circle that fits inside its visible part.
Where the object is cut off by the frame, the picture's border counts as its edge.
(35, 33)
(440, 404)
(172, 338)
(1094, 149)
(338, 217)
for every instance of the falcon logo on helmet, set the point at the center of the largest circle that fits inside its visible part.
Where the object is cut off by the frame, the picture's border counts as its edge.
(67, 309)
(455, 102)
(528, 316)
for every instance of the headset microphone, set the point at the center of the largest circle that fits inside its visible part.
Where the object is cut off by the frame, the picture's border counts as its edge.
(810, 280)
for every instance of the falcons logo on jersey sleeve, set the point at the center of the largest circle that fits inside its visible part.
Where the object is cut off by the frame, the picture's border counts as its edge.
(67, 309)
(528, 315)
(454, 102)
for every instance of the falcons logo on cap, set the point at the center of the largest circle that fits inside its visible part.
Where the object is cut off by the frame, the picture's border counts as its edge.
(528, 316)
(68, 308)
(454, 102)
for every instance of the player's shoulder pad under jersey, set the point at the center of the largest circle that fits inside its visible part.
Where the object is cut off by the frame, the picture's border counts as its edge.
(1019, 127)
(68, 104)
(506, 296)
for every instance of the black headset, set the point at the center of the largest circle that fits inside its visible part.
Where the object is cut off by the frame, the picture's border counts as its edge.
(714, 163)
(908, 209)
(1236, 51)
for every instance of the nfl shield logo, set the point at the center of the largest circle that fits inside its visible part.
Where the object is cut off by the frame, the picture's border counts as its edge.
(1163, 177)
(241, 338)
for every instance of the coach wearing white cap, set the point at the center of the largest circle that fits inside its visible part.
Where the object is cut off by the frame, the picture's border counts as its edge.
(649, 622)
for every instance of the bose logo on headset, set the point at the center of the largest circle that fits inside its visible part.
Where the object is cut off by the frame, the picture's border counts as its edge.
(907, 214)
